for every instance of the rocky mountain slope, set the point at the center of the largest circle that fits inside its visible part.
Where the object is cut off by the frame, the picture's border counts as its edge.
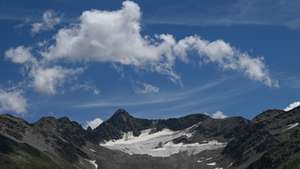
(272, 141)
(269, 141)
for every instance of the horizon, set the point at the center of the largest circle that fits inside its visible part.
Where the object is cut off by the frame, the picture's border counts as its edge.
(94, 123)
(86, 61)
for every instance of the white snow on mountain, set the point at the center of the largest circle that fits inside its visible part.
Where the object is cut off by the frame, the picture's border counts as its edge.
(211, 164)
(159, 144)
(290, 126)
(292, 106)
(93, 162)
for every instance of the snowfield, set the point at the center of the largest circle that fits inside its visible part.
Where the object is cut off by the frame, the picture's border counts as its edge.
(159, 144)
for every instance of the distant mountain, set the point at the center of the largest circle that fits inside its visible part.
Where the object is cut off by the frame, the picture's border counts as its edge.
(271, 140)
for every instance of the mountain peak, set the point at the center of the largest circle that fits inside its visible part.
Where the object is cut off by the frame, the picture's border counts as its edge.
(121, 113)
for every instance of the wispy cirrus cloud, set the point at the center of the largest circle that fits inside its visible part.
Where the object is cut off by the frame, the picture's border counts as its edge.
(203, 95)
(240, 12)
(86, 87)
(206, 99)
(292, 82)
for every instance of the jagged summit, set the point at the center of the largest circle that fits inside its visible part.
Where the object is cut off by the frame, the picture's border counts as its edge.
(51, 119)
(121, 114)
(121, 121)
(120, 111)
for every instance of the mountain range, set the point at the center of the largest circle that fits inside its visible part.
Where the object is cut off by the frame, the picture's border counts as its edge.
(271, 140)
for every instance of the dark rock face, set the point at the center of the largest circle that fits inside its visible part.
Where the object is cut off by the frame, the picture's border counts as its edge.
(222, 129)
(11, 151)
(180, 123)
(252, 143)
(63, 127)
(270, 141)
(14, 127)
(57, 141)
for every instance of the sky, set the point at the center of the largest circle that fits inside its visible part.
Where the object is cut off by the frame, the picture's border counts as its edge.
(85, 59)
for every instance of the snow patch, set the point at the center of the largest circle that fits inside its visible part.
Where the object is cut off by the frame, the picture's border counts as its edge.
(209, 158)
(292, 106)
(145, 135)
(93, 123)
(290, 126)
(219, 115)
(212, 163)
(93, 162)
(159, 144)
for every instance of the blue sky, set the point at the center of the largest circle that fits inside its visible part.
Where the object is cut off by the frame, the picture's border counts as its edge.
(85, 59)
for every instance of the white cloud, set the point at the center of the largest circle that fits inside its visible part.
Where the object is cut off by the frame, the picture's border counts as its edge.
(86, 87)
(12, 101)
(112, 37)
(44, 79)
(226, 57)
(292, 106)
(96, 91)
(19, 55)
(49, 21)
(93, 123)
(104, 36)
(47, 80)
(146, 88)
(115, 36)
(219, 115)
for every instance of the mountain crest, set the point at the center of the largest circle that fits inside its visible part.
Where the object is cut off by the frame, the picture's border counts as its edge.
(121, 114)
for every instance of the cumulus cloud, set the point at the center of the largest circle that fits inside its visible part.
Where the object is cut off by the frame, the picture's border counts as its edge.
(47, 80)
(219, 115)
(93, 123)
(146, 88)
(12, 101)
(226, 56)
(112, 37)
(19, 55)
(292, 106)
(115, 36)
(44, 78)
(49, 21)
